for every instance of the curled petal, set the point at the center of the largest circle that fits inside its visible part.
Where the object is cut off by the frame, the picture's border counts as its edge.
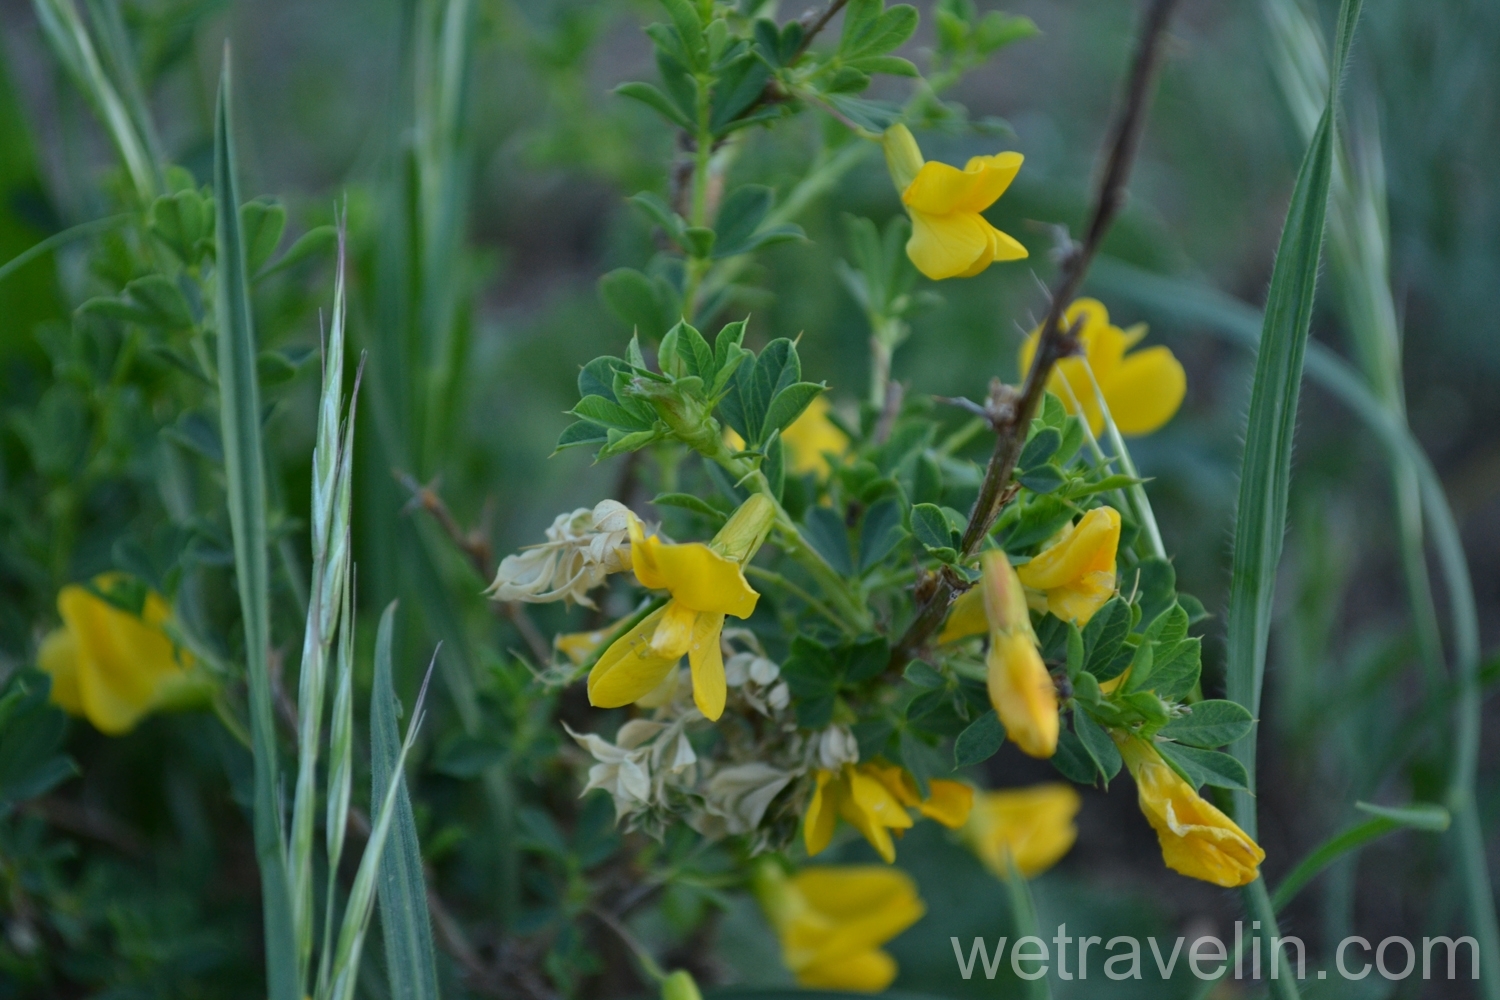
(1022, 693)
(707, 662)
(940, 188)
(822, 813)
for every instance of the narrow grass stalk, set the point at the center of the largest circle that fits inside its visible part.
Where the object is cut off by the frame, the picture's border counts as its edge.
(244, 472)
(340, 771)
(71, 41)
(71, 235)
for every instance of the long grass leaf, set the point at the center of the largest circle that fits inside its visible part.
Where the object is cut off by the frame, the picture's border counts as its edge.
(384, 800)
(1265, 475)
(244, 472)
(81, 231)
(404, 920)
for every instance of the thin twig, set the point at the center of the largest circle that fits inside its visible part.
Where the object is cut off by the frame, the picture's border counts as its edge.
(895, 393)
(476, 549)
(1010, 413)
(818, 23)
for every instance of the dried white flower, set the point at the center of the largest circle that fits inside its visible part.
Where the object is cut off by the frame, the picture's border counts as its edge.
(622, 771)
(837, 747)
(581, 549)
(740, 794)
(779, 697)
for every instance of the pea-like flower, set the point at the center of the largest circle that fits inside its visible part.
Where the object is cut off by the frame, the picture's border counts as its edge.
(874, 798)
(1197, 839)
(1020, 687)
(114, 667)
(1142, 389)
(582, 548)
(1075, 573)
(1031, 828)
(832, 921)
(706, 582)
(950, 238)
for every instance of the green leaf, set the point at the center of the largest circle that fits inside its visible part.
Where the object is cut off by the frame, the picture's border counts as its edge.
(163, 300)
(1430, 818)
(662, 214)
(409, 963)
(1266, 470)
(1072, 760)
(263, 222)
(599, 410)
(244, 471)
(1042, 479)
(824, 530)
(656, 101)
(1040, 447)
(647, 304)
(1103, 637)
(319, 239)
(929, 526)
(877, 116)
(1098, 745)
(880, 533)
(740, 216)
(687, 501)
(1205, 767)
(579, 433)
(789, 404)
(979, 742)
(181, 221)
(1210, 724)
(869, 31)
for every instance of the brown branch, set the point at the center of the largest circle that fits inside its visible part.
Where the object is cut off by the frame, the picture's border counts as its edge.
(90, 821)
(476, 549)
(1010, 413)
(819, 21)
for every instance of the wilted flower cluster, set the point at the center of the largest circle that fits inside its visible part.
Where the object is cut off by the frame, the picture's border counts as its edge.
(581, 549)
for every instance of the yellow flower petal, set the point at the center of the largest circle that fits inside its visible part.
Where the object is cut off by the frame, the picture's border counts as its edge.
(1077, 572)
(674, 632)
(940, 189)
(947, 246)
(629, 669)
(1146, 391)
(1032, 827)
(579, 646)
(125, 665)
(871, 809)
(867, 972)
(707, 662)
(822, 813)
(949, 803)
(58, 656)
(1143, 390)
(1196, 838)
(1023, 694)
(965, 617)
(697, 577)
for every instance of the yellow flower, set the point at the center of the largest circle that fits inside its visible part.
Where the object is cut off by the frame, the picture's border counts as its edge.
(112, 666)
(1197, 839)
(706, 582)
(833, 920)
(811, 438)
(949, 236)
(873, 798)
(1030, 827)
(1020, 687)
(1142, 390)
(1076, 572)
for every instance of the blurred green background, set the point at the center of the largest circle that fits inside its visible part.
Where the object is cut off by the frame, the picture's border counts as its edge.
(321, 102)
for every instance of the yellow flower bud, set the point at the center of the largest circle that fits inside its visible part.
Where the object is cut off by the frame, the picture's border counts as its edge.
(1023, 694)
(1197, 839)
(1031, 828)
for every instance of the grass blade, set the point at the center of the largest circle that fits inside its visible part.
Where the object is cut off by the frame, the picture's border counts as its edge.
(362, 894)
(404, 921)
(1265, 476)
(244, 472)
(1335, 847)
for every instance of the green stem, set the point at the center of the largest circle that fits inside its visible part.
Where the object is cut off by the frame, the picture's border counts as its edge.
(773, 577)
(1258, 906)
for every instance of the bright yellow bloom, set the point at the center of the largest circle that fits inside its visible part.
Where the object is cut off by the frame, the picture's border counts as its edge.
(112, 666)
(1142, 390)
(1020, 687)
(1197, 839)
(873, 798)
(1076, 572)
(706, 582)
(833, 920)
(949, 236)
(1030, 827)
(811, 438)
